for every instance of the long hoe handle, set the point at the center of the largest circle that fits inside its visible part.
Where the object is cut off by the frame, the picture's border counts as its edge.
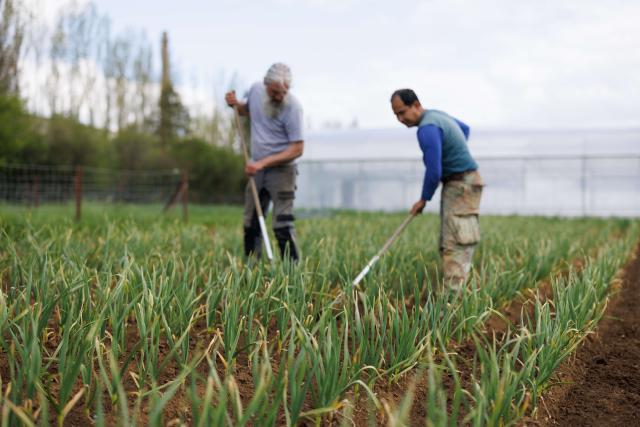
(254, 190)
(381, 252)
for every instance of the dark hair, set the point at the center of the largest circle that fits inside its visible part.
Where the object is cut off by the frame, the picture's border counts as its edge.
(407, 96)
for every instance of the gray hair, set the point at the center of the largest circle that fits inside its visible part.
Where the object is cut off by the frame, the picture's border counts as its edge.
(278, 73)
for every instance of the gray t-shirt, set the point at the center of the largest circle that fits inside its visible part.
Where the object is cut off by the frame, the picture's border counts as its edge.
(272, 128)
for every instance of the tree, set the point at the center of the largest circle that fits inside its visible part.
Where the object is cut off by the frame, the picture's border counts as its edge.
(142, 72)
(11, 38)
(121, 56)
(82, 29)
(56, 56)
(174, 118)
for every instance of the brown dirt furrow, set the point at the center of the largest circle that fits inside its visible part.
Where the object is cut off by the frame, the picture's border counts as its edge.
(494, 328)
(600, 384)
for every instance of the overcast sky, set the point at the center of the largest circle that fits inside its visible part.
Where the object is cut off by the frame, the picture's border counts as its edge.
(498, 63)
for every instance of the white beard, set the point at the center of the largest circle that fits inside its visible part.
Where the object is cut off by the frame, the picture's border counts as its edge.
(274, 109)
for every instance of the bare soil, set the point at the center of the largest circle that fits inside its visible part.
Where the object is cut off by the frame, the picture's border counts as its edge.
(600, 384)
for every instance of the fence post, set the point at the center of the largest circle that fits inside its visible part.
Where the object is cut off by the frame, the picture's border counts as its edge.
(78, 191)
(185, 195)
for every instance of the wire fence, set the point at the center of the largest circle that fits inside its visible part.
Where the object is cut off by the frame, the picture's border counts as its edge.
(588, 185)
(37, 184)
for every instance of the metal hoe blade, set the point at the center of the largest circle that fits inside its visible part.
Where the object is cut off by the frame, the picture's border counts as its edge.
(381, 252)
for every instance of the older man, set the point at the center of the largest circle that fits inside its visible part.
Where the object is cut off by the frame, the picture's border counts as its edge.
(443, 141)
(276, 141)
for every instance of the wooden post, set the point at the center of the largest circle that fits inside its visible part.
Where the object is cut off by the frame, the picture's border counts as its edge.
(185, 195)
(78, 191)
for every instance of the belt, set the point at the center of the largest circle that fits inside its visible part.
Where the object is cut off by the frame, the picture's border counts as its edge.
(458, 176)
(282, 166)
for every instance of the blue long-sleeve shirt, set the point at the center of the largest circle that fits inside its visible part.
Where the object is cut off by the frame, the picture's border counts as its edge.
(442, 140)
(430, 140)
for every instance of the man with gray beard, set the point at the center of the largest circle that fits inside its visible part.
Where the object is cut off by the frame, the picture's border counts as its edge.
(276, 141)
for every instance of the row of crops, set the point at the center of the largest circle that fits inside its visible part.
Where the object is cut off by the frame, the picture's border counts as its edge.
(132, 318)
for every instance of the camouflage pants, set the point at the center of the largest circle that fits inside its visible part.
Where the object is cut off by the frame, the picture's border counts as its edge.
(459, 227)
(277, 184)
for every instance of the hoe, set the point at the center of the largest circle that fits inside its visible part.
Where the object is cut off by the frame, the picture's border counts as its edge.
(254, 190)
(381, 252)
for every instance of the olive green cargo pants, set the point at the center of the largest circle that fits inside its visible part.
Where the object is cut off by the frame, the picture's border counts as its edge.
(459, 227)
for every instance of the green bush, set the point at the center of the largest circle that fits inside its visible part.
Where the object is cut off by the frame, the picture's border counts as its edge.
(136, 150)
(69, 142)
(19, 140)
(215, 173)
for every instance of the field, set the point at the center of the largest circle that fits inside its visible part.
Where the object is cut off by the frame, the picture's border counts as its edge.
(133, 318)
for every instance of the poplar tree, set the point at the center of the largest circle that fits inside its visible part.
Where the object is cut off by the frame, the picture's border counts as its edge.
(174, 118)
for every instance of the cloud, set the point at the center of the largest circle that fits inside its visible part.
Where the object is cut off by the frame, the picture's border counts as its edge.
(495, 63)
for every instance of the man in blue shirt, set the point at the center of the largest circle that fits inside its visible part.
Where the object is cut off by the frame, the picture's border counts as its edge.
(443, 141)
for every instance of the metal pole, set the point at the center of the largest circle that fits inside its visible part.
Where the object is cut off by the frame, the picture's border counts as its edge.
(583, 184)
(185, 195)
(36, 191)
(78, 191)
(254, 190)
(523, 190)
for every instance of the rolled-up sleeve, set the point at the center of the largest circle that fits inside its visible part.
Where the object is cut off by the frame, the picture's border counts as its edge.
(294, 123)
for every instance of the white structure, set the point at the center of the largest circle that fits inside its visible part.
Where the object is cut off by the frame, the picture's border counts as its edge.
(580, 173)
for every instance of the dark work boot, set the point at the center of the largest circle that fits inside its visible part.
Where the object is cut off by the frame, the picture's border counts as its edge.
(252, 242)
(286, 237)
